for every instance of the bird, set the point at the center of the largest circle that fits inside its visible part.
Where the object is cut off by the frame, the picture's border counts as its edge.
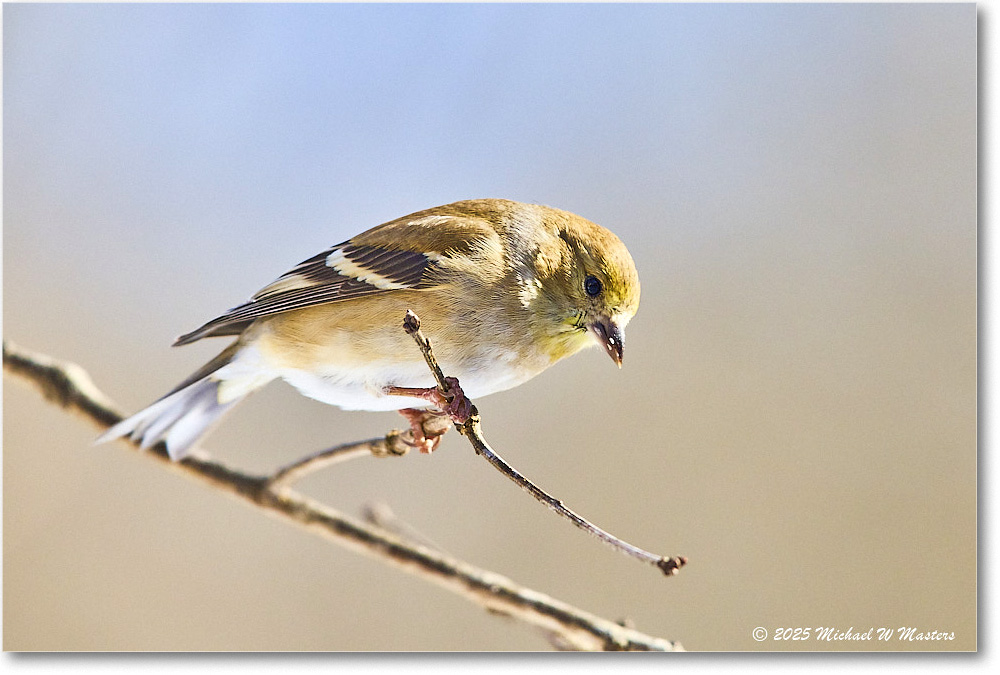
(504, 290)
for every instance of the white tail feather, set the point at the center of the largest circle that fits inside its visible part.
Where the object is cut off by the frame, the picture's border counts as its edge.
(180, 419)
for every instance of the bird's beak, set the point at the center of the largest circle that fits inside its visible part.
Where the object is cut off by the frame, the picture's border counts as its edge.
(610, 336)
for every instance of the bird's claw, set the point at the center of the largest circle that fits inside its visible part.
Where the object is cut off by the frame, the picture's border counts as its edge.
(453, 404)
(424, 439)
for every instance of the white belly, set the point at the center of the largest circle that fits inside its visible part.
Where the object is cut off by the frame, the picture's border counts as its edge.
(353, 390)
(356, 388)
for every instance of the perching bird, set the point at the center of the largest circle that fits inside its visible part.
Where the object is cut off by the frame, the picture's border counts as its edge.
(504, 290)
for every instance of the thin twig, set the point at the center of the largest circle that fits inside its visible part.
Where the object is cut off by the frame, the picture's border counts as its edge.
(472, 430)
(411, 324)
(69, 386)
(394, 444)
(380, 447)
(381, 515)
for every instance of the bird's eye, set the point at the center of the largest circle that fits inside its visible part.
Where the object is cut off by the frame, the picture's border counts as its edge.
(593, 286)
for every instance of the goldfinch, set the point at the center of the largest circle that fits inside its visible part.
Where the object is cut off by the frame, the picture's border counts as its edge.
(504, 290)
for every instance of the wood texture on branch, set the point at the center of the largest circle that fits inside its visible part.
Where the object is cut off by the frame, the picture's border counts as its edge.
(70, 387)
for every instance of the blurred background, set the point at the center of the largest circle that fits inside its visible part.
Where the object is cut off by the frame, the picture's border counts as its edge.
(797, 409)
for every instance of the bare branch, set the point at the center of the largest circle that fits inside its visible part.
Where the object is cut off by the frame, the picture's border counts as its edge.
(69, 386)
(471, 429)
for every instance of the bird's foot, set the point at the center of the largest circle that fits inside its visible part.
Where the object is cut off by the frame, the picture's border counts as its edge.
(453, 402)
(425, 427)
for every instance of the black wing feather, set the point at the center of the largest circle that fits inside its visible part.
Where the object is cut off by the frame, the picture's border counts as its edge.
(323, 284)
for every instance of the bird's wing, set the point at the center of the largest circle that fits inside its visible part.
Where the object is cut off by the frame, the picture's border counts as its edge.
(373, 262)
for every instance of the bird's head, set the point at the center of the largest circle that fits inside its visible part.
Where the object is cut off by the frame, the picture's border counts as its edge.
(596, 287)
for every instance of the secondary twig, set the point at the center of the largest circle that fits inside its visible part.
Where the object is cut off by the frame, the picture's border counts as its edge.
(471, 430)
(381, 515)
(69, 386)
(380, 447)
(393, 444)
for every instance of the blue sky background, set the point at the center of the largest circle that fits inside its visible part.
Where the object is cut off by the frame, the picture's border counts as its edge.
(797, 184)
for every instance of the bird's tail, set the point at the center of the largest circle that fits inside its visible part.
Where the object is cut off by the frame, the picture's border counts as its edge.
(182, 416)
